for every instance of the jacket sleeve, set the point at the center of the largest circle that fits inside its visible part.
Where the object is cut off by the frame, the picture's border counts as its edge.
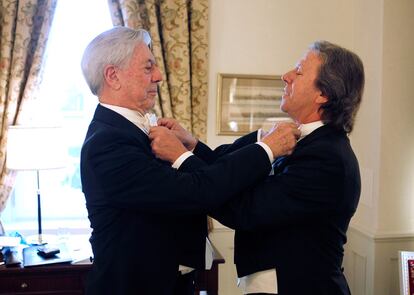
(119, 172)
(310, 187)
(209, 156)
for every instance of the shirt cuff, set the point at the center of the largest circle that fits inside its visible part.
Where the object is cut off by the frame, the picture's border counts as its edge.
(181, 159)
(259, 134)
(268, 151)
(185, 269)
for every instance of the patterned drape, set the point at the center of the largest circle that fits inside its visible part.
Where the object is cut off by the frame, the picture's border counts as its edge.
(178, 29)
(24, 28)
(180, 46)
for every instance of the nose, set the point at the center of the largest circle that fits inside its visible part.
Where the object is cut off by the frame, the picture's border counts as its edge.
(156, 75)
(287, 77)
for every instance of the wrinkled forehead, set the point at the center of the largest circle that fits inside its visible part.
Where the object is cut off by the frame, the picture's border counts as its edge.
(143, 53)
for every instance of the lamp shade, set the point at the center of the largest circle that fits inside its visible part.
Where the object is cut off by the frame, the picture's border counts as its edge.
(35, 148)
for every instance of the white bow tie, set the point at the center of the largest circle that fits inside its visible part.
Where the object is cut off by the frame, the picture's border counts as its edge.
(147, 121)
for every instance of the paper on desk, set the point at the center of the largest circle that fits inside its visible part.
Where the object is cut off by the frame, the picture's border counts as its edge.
(82, 255)
(6, 241)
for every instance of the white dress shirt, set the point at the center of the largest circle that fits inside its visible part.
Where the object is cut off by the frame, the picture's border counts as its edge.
(142, 121)
(266, 281)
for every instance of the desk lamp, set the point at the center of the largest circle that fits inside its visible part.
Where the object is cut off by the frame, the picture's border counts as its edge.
(35, 148)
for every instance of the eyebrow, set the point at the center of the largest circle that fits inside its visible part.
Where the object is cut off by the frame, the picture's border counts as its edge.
(299, 65)
(148, 63)
(151, 61)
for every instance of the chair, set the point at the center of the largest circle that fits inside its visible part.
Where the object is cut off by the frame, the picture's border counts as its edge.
(406, 272)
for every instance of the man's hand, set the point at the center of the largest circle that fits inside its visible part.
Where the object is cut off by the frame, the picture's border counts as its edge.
(282, 138)
(187, 139)
(165, 145)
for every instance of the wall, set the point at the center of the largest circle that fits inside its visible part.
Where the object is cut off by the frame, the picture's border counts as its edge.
(396, 186)
(261, 37)
(268, 37)
(397, 142)
(367, 132)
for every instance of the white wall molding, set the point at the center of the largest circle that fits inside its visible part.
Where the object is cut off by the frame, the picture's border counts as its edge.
(356, 265)
(371, 260)
(383, 236)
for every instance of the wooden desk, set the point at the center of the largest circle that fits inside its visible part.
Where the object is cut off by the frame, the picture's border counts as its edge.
(62, 279)
(208, 280)
(69, 279)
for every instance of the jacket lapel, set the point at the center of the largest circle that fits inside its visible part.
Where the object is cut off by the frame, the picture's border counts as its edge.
(107, 116)
(281, 162)
(316, 134)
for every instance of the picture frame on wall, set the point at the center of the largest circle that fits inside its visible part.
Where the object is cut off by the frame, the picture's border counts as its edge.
(246, 103)
(406, 272)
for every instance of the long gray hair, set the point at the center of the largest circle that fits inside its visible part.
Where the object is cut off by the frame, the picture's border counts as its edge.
(341, 79)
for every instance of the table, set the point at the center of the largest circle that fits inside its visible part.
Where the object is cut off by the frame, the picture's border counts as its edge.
(62, 279)
(69, 279)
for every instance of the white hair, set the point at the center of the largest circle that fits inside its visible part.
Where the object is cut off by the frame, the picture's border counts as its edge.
(112, 47)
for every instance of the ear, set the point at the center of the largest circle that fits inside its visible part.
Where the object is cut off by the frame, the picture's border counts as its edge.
(111, 77)
(321, 99)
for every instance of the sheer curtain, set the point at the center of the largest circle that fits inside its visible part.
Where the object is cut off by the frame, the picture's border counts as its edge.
(24, 28)
(180, 45)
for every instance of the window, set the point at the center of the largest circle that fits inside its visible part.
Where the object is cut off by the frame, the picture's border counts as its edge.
(63, 99)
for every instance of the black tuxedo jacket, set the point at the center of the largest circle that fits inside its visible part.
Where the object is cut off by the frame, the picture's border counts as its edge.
(147, 218)
(296, 220)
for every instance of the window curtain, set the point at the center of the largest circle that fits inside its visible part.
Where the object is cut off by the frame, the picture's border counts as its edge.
(178, 29)
(180, 45)
(24, 28)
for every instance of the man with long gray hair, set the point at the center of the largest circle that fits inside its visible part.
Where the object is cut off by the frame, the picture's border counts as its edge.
(291, 227)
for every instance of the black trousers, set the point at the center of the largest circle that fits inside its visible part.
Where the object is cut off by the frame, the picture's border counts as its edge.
(185, 284)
